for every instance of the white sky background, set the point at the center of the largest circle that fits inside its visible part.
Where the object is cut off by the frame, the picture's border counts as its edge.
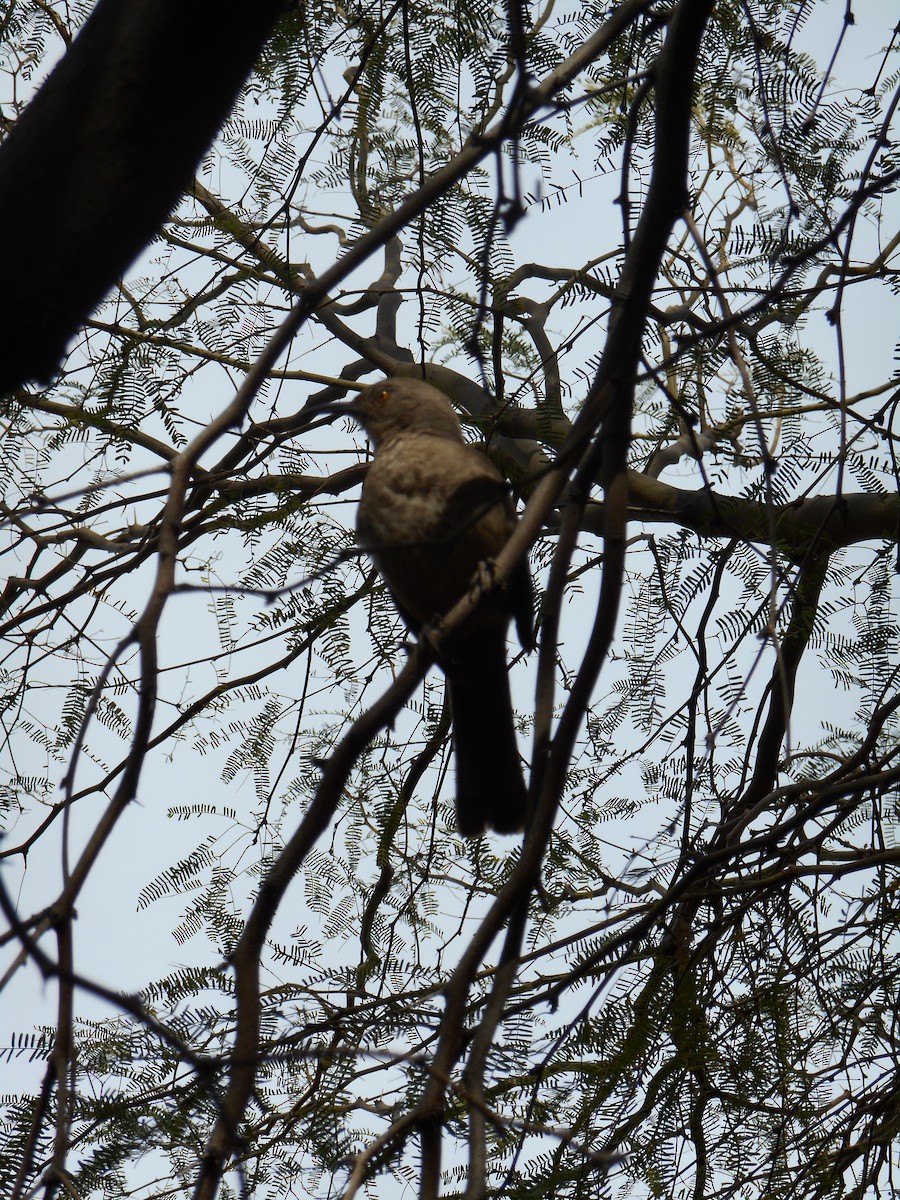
(123, 947)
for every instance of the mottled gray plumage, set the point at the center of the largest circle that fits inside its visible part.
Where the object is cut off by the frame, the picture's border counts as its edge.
(433, 508)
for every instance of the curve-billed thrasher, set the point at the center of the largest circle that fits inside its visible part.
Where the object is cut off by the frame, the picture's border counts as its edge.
(432, 509)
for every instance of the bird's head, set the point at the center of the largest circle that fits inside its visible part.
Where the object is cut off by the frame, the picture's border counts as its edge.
(397, 406)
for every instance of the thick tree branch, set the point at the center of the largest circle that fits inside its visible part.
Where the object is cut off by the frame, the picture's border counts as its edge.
(101, 155)
(832, 521)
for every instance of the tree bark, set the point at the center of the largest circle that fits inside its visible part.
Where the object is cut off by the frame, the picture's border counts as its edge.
(103, 152)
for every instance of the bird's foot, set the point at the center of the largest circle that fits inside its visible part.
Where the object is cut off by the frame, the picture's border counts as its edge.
(485, 578)
(430, 636)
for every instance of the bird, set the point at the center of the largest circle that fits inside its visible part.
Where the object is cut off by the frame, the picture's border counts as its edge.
(433, 509)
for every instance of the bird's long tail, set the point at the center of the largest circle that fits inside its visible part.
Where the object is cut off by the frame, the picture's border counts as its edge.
(490, 787)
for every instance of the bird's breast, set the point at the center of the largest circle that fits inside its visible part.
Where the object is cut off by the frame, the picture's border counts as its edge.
(431, 511)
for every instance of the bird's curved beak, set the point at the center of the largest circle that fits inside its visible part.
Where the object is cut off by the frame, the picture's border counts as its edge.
(325, 409)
